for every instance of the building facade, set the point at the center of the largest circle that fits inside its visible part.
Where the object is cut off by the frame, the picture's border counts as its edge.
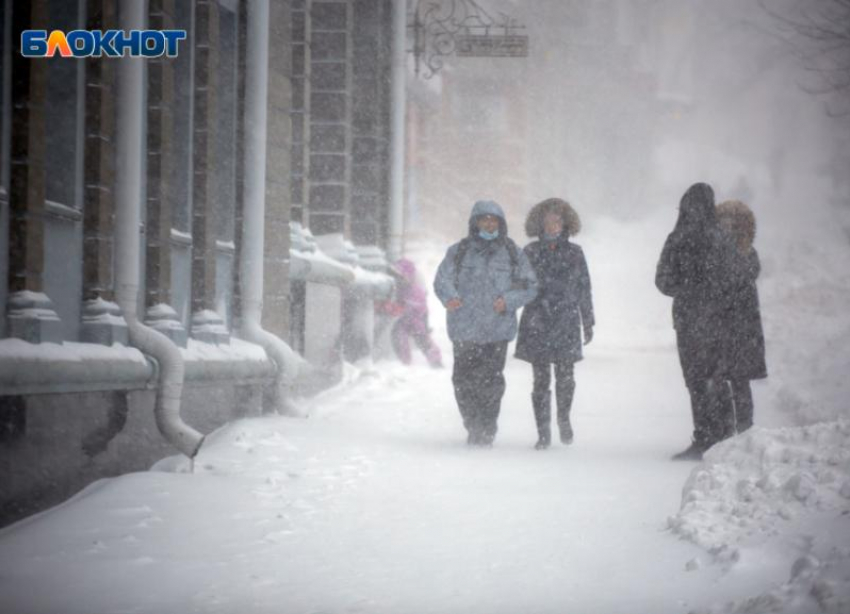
(184, 240)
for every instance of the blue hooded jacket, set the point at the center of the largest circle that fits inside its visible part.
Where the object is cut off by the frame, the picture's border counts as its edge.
(485, 274)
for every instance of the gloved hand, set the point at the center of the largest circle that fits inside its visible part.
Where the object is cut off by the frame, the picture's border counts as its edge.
(588, 334)
(454, 304)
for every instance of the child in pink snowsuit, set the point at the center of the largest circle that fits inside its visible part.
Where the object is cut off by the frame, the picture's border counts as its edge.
(412, 303)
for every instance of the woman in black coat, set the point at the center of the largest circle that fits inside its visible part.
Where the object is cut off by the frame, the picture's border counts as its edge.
(551, 326)
(746, 355)
(699, 268)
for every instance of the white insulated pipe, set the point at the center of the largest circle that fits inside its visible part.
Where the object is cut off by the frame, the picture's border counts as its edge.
(286, 360)
(397, 149)
(130, 108)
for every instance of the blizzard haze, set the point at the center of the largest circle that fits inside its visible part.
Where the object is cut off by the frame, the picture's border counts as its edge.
(371, 502)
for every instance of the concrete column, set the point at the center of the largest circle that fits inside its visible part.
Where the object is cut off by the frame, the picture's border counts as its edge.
(299, 112)
(276, 299)
(101, 316)
(370, 121)
(161, 191)
(30, 311)
(204, 164)
(397, 149)
(330, 116)
(99, 171)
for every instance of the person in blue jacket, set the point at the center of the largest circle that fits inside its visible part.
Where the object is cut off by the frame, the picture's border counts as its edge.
(482, 281)
(550, 331)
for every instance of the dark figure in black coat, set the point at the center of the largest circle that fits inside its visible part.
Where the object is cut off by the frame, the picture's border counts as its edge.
(746, 355)
(551, 325)
(699, 268)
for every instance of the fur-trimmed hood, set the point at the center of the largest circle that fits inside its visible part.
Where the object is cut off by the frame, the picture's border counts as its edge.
(736, 218)
(569, 217)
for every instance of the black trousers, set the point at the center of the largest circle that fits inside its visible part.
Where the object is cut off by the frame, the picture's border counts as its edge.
(565, 386)
(712, 410)
(479, 385)
(742, 399)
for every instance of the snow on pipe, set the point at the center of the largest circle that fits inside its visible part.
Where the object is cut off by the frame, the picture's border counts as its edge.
(321, 269)
(128, 189)
(397, 155)
(253, 227)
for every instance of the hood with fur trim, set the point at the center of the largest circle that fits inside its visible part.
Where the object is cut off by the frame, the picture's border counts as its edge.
(736, 218)
(569, 217)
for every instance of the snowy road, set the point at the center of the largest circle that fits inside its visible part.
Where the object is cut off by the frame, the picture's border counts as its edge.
(375, 504)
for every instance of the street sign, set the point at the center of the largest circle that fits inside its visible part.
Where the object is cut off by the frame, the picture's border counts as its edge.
(492, 46)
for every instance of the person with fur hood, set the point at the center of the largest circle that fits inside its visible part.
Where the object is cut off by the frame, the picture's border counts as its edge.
(482, 281)
(699, 267)
(745, 352)
(550, 330)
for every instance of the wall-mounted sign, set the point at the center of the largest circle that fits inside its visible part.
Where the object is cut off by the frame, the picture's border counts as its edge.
(492, 46)
(464, 28)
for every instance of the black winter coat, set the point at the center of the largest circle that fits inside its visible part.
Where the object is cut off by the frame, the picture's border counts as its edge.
(550, 327)
(746, 358)
(700, 268)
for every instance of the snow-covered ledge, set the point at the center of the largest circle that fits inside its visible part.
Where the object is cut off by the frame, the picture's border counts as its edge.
(373, 260)
(44, 368)
(48, 368)
(309, 263)
(237, 362)
(366, 284)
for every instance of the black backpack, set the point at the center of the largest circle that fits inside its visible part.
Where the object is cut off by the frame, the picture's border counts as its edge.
(463, 247)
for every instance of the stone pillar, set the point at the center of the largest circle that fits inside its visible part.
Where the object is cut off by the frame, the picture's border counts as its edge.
(300, 83)
(101, 319)
(330, 116)
(205, 327)
(161, 192)
(371, 37)
(276, 298)
(30, 311)
(300, 157)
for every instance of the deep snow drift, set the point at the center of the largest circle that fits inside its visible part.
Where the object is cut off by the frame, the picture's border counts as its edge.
(372, 502)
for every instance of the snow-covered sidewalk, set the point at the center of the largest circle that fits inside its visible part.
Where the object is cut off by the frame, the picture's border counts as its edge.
(374, 504)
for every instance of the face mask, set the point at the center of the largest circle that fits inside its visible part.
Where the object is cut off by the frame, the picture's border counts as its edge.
(549, 237)
(488, 236)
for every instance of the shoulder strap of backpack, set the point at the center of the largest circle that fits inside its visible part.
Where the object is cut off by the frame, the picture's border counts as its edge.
(512, 252)
(460, 254)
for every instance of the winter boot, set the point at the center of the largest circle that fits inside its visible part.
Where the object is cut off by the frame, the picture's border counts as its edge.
(743, 397)
(709, 408)
(542, 404)
(693, 452)
(564, 425)
(566, 431)
(543, 441)
(565, 388)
